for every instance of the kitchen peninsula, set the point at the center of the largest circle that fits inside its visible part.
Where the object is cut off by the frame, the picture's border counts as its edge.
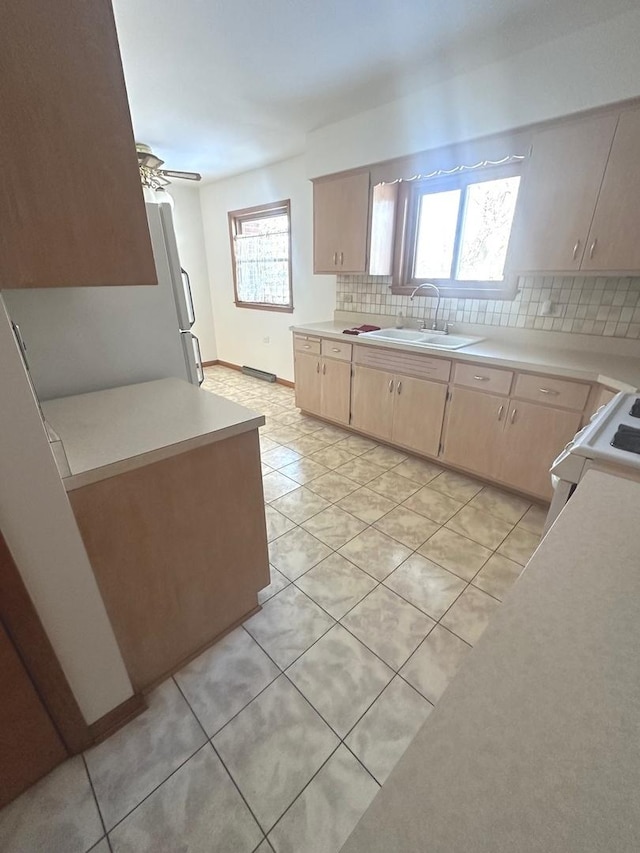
(164, 480)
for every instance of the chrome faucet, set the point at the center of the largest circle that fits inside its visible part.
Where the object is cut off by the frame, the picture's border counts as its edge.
(434, 326)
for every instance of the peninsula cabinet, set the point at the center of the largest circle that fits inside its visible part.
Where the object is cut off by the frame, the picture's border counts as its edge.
(340, 223)
(398, 408)
(71, 203)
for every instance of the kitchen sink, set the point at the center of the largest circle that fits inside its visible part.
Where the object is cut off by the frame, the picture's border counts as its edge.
(437, 340)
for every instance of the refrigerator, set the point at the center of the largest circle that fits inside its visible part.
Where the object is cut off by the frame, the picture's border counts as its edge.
(81, 339)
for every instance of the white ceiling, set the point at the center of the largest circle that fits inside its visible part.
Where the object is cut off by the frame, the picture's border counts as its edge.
(222, 86)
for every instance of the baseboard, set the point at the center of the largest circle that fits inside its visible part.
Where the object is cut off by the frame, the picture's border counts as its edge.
(232, 366)
(209, 363)
(119, 716)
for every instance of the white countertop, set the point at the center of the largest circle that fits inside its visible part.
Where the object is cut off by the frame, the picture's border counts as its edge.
(535, 745)
(105, 433)
(616, 371)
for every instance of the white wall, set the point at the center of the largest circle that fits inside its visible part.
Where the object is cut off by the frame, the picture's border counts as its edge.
(190, 236)
(588, 68)
(241, 332)
(39, 527)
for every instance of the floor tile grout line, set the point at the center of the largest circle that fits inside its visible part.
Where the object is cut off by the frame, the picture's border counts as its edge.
(97, 802)
(157, 787)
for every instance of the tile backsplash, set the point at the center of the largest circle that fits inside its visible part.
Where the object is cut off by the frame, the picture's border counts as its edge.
(588, 306)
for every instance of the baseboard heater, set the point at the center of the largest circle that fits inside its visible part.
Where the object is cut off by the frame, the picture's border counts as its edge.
(259, 374)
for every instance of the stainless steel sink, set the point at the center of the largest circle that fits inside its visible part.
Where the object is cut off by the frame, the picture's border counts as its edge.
(435, 340)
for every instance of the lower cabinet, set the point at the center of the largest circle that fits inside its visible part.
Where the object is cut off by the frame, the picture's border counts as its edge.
(398, 408)
(323, 386)
(506, 440)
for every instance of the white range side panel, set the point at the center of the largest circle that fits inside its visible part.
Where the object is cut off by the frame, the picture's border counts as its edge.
(82, 339)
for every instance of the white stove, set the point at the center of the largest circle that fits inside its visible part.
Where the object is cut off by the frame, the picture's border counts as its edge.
(595, 447)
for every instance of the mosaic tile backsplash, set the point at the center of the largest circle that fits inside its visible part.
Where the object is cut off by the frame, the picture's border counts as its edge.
(587, 306)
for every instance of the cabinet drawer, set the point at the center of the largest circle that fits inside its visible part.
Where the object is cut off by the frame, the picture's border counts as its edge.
(482, 378)
(335, 349)
(409, 364)
(563, 393)
(303, 343)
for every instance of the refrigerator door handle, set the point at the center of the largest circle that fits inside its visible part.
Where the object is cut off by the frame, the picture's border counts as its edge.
(186, 282)
(199, 367)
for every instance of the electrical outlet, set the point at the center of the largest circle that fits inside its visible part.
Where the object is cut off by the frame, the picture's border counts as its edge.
(348, 297)
(266, 340)
(552, 309)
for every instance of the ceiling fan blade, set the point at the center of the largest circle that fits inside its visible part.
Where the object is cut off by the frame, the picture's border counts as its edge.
(187, 176)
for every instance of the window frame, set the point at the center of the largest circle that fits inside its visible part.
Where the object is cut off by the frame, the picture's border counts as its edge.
(259, 211)
(409, 194)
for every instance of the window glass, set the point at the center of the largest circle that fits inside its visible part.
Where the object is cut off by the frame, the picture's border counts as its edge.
(436, 234)
(488, 216)
(261, 256)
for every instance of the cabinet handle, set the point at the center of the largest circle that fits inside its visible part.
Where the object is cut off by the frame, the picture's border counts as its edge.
(335, 259)
(575, 249)
(399, 387)
(500, 412)
(592, 248)
(336, 349)
(548, 391)
(481, 378)
(306, 346)
(324, 369)
(341, 259)
(318, 367)
(513, 416)
(390, 386)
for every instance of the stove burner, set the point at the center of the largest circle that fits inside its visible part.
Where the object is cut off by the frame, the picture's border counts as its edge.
(627, 438)
(635, 409)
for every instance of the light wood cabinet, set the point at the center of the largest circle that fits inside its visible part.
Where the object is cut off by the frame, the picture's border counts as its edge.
(372, 401)
(71, 203)
(308, 382)
(558, 195)
(613, 242)
(473, 430)
(335, 390)
(323, 386)
(533, 436)
(510, 441)
(398, 408)
(418, 412)
(340, 224)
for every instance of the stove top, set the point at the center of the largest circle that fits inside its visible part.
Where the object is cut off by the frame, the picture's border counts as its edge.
(613, 434)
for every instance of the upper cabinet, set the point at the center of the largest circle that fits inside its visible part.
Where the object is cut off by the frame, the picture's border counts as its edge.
(353, 225)
(71, 203)
(580, 199)
(559, 194)
(613, 242)
(340, 222)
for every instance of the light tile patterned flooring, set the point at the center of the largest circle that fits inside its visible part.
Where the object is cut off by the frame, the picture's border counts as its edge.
(385, 571)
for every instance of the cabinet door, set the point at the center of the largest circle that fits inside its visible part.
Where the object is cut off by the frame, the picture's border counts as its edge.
(340, 224)
(533, 437)
(336, 390)
(308, 382)
(372, 398)
(559, 194)
(418, 413)
(29, 745)
(71, 202)
(613, 241)
(473, 430)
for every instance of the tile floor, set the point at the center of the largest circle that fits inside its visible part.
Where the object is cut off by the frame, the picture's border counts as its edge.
(385, 571)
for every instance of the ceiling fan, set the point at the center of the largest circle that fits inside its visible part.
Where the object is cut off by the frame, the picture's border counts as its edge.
(152, 175)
